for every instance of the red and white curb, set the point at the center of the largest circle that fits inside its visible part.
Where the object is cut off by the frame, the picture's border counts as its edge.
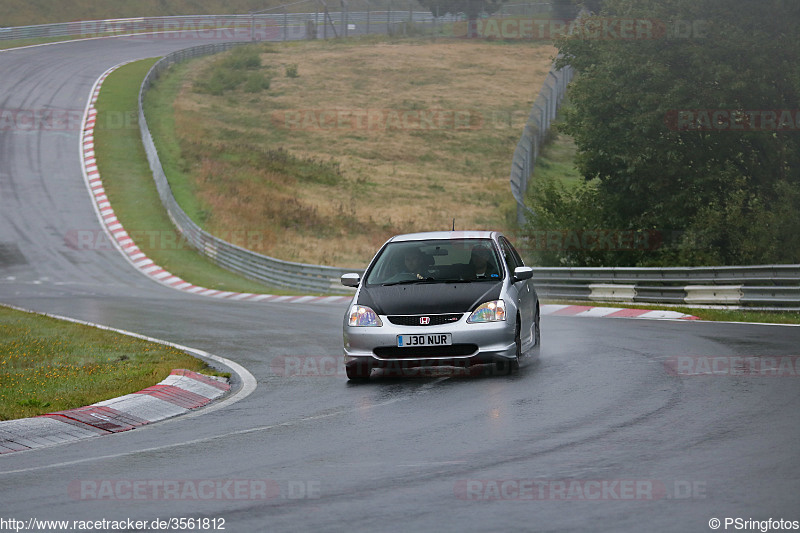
(180, 392)
(611, 312)
(123, 241)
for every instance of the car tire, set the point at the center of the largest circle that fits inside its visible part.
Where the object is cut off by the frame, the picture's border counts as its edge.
(358, 372)
(537, 329)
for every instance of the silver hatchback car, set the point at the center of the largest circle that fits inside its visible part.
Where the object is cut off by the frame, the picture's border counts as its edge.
(441, 299)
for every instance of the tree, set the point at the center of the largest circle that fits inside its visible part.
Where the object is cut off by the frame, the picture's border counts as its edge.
(642, 116)
(564, 9)
(593, 6)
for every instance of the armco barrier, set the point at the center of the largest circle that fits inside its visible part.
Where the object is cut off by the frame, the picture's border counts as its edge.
(370, 17)
(543, 113)
(765, 286)
(303, 277)
(255, 26)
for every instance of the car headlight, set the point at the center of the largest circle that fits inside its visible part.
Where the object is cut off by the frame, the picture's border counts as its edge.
(361, 315)
(493, 311)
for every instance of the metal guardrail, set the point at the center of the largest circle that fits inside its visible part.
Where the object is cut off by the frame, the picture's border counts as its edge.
(543, 113)
(299, 276)
(764, 286)
(276, 18)
(256, 26)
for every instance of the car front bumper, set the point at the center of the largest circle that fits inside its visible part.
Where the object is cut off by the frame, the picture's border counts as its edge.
(476, 343)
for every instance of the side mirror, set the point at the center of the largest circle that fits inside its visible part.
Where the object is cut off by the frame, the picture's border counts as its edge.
(522, 273)
(351, 280)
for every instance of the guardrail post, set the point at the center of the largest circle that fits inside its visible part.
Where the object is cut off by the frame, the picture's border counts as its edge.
(344, 18)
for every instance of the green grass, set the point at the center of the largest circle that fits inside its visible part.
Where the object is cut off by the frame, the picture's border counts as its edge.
(161, 122)
(130, 188)
(49, 365)
(557, 160)
(715, 315)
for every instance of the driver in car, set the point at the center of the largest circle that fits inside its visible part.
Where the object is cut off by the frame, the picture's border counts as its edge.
(481, 263)
(414, 262)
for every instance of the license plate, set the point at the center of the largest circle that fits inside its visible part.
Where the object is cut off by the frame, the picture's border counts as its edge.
(433, 339)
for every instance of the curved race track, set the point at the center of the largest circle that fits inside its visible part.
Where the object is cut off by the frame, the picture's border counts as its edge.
(598, 413)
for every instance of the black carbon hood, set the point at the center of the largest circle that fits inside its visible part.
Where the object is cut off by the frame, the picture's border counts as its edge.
(429, 298)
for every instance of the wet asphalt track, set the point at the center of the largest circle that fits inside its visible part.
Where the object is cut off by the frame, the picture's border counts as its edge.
(419, 453)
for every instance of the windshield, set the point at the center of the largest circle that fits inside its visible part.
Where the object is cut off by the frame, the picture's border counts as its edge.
(436, 261)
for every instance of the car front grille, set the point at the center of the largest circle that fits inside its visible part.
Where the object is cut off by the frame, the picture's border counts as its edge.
(421, 352)
(417, 320)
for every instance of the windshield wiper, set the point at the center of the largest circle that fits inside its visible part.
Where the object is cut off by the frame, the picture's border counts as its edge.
(435, 280)
(409, 281)
(468, 280)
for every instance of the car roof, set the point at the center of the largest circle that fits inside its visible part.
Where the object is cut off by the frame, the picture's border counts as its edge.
(444, 235)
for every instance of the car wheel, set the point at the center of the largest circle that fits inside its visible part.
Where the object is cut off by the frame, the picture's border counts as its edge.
(537, 329)
(358, 372)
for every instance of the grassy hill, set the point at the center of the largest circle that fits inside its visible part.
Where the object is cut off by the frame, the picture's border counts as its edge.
(324, 149)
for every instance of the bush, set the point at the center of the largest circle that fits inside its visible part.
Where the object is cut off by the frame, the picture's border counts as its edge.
(256, 82)
(218, 81)
(242, 58)
(232, 70)
(291, 71)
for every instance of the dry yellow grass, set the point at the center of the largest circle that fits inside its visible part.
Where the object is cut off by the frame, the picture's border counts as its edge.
(422, 132)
